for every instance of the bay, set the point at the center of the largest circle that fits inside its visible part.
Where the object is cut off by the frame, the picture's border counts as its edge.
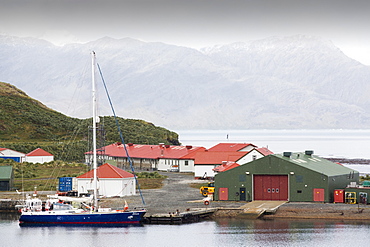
(222, 232)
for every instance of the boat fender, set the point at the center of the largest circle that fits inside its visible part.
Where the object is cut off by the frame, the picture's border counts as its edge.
(206, 203)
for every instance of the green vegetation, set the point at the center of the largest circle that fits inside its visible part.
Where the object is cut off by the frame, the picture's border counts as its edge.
(44, 176)
(149, 175)
(150, 180)
(26, 124)
(365, 178)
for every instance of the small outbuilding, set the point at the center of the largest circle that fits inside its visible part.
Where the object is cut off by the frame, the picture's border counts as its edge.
(39, 156)
(112, 182)
(296, 177)
(6, 178)
(6, 153)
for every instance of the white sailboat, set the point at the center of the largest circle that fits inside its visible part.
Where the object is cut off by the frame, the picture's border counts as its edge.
(65, 214)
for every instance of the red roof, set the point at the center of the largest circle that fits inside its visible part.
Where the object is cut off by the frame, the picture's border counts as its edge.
(234, 147)
(39, 152)
(151, 151)
(224, 167)
(264, 151)
(207, 157)
(107, 171)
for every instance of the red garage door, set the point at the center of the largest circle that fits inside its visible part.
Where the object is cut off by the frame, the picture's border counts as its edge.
(270, 187)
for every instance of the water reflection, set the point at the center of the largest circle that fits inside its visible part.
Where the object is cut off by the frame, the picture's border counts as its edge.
(9, 216)
(293, 232)
(222, 232)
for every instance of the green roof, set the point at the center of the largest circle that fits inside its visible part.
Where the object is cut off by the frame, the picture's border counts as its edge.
(317, 164)
(5, 172)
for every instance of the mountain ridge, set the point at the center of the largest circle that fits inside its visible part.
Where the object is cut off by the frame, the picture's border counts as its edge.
(280, 82)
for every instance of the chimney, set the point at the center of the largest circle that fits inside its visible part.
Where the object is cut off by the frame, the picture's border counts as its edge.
(130, 144)
(287, 154)
(308, 152)
(189, 147)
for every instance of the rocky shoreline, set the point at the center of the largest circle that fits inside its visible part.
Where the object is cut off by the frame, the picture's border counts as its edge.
(322, 211)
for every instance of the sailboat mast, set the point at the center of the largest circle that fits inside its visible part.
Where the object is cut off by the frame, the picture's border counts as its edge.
(94, 122)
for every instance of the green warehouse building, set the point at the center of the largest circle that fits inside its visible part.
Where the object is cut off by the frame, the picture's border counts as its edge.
(296, 177)
(6, 178)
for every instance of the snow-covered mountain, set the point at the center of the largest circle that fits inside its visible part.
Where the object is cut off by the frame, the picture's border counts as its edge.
(280, 82)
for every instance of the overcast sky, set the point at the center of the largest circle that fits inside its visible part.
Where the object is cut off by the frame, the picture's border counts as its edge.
(191, 23)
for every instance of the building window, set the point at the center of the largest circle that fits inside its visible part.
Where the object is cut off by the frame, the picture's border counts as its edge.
(299, 191)
(242, 178)
(186, 162)
(299, 179)
(254, 157)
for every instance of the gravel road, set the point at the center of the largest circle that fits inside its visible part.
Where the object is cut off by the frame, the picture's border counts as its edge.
(176, 194)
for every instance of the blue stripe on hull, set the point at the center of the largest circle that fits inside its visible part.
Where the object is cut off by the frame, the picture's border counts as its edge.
(83, 219)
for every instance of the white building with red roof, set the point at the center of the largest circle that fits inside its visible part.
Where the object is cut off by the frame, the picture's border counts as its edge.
(207, 160)
(112, 182)
(152, 157)
(181, 158)
(222, 153)
(225, 166)
(38, 156)
(6, 153)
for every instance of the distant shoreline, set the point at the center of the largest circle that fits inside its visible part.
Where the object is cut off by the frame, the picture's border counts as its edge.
(349, 161)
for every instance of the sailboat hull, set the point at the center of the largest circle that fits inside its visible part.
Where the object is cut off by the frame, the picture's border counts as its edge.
(82, 219)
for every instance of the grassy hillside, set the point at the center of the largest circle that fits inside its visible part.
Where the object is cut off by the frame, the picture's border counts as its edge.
(27, 124)
(23, 118)
(45, 177)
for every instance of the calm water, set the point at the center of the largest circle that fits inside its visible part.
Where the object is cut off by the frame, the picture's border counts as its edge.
(224, 232)
(328, 143)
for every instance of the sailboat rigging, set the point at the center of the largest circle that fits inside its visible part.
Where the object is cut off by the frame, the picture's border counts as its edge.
(65, 214)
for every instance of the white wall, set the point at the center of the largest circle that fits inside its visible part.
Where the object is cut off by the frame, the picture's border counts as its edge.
(12, 153)
(186, 168)
(168, 164)
(249, 157)
(109, 187)
(175, 165)
(200, 170)
(38, 159)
